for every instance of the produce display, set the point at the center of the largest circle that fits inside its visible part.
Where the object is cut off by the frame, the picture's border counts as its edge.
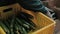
(18, 24)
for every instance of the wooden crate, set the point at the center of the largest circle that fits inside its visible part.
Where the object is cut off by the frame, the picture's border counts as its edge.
(44, 24)
(2, 31)
(7, 11)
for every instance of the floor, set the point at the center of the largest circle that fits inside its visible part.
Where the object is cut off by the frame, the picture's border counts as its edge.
(57, 29)
(58, 32)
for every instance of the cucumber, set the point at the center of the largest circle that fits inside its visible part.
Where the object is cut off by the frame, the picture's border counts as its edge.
(27, 23)
(26, 19)
(21, 29)
(11, 25)
(31, 27)
(27, 26)
(6, 23)
(11, 31)
(9, 21)
(4, 27)
(30, 22)
(12, 22)
(21, 23)
(16, 29)
(27, 15)
(24, 31)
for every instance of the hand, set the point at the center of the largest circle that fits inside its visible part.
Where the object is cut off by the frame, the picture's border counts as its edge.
(50, 13)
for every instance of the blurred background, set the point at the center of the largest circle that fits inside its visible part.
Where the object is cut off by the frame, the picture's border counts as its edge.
(55, 6)
(51, 4)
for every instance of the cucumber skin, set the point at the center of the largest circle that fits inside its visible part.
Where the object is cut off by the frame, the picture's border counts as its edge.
(27, 15)
(21, 16)
(22, 24)
(4, 27)
(25, 22)
(12, 25)
(20, 28)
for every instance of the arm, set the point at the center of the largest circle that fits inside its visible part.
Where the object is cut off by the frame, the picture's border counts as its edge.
(35, 5)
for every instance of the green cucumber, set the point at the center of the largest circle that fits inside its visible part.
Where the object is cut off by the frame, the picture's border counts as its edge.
(24, 31)
(11, 25)
(21, 16)
(11, 31)
(31, 27)
(20, 29)
(30, 22)
(27, 23)
(21, 23)
(12, 22)
(6, 23)
(16, 28)
(27, 15)
(4, 27)
(9, 21)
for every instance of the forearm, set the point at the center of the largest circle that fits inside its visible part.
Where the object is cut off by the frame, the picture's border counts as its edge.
(35, 5)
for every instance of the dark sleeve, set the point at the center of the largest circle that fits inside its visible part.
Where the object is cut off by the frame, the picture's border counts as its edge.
(6, 2)
(35, 5)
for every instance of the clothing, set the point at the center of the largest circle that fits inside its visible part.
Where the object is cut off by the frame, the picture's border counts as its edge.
(6, 2)
(35, 5)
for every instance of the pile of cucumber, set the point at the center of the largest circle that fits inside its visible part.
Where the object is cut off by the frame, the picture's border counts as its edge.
(20, 24)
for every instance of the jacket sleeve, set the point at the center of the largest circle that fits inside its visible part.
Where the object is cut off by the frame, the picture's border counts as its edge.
(35, 5)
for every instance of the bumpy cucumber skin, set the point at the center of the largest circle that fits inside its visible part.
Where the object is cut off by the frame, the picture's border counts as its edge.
(12, 24)
(26, 19)
(21, 29)
(6, 23)
(21, 23)
(27, 23)
(27, 15)
(4, 27)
